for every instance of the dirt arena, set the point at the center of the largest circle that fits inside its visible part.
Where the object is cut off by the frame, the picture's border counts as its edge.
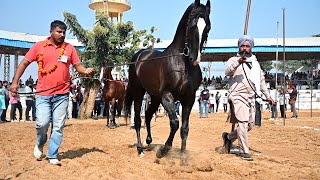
(92, 151)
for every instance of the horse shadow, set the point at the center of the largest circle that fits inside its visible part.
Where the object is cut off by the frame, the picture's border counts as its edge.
(174, 153)
(72, 154)
(67, 125)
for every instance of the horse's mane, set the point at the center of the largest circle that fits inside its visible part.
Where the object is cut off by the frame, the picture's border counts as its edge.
(183, 21)
(188, 14)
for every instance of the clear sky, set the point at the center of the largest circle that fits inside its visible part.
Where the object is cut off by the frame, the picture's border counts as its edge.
(227, 18)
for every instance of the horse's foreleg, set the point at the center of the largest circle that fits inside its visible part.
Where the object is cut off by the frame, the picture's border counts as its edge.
(107, 104)
(119, 108)
(168, 103)
(148, 116)
(112, 111)
(184, 131)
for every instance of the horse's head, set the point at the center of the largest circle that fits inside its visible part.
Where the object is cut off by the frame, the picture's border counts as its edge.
(105, 73)
(197, 29)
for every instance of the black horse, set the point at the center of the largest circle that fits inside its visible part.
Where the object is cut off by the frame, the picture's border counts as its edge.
(171, 75)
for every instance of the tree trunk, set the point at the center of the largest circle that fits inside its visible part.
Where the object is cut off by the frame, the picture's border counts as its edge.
(87, 104)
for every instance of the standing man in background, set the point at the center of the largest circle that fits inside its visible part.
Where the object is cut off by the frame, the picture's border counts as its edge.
(293, 93)
(225, 102)
(54, 57)
(218, 96)
(30, 101)
(204, 95)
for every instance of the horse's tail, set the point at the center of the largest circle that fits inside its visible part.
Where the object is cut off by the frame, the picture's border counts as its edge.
(127, 104)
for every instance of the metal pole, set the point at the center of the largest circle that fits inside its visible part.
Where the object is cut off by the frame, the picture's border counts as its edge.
(277, 54)
(247, 18)
(311, 87)
(284, 59)
(277, 57)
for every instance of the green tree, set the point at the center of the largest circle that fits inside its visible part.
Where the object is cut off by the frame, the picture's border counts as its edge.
(106, 44)
(266, 66)
(292, 65)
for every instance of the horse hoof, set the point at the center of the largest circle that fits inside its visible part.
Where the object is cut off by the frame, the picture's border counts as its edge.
(149, 140)
(112, 126)
(162, 152)
(184, 160)
(141, 155)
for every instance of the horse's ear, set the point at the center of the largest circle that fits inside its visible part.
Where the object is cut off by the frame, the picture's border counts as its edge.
(196, 3)
(208, 6)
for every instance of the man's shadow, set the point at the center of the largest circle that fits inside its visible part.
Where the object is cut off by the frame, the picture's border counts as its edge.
(72, 154)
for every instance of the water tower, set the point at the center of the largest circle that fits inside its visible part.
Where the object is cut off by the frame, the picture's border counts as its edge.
(112, 8)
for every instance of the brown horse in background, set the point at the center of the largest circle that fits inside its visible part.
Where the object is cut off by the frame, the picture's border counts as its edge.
(113, 94)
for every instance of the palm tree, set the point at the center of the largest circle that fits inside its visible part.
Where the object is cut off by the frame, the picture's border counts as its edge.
(106, 44)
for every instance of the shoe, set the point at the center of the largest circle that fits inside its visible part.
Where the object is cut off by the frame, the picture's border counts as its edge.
(272, 119)
(55, 162)
(226, 142)
(246, 156)
(38, 152)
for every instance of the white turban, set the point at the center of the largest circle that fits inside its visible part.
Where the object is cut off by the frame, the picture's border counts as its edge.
(245, 38)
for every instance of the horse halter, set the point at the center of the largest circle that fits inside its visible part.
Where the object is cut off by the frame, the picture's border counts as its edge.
(186, 49)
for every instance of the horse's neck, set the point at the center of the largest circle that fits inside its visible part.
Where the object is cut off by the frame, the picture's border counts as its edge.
(179, 40)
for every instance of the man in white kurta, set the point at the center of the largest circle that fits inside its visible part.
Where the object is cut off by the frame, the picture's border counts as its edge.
(245, 80)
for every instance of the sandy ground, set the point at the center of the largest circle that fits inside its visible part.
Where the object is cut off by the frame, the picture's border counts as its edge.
(92, 151)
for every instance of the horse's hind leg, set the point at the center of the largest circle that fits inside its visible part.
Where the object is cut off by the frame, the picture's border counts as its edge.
(168, 104)
(148, 116)
(112, 124)
(137, 122)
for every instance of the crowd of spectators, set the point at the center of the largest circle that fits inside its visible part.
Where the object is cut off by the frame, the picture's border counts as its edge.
(299, 79)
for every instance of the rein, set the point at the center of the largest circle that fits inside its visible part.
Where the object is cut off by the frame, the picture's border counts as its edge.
(150, 59)
(69, 81)
(117, 65)
(257, 95)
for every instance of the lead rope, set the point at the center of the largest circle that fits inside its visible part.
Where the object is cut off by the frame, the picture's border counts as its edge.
(123, 64)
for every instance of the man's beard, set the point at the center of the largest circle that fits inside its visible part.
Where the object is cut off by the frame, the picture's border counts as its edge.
(245, 53)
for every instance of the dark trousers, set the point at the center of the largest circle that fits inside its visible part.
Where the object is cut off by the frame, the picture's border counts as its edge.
(225, 107)
(97, 107)
(4, 113)
(30, 105)
(217, 102)
(13, 111)
(282, 110)
(74, 110)
(19, 107)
